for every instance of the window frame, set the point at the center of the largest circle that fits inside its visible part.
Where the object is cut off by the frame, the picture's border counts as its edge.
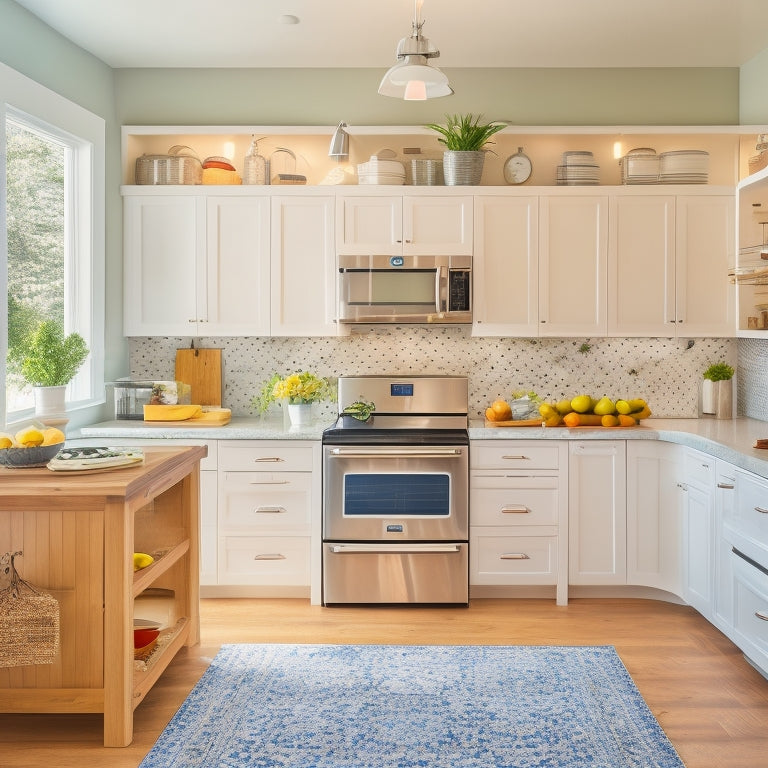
(34, 105)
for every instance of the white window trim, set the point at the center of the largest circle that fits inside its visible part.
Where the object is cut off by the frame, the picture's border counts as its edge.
(19, 95)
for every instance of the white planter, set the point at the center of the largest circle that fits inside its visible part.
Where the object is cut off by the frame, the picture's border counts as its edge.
(300, 414)
(50, 406)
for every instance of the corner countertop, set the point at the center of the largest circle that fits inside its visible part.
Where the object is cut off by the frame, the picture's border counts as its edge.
(731, 440)
(237, 429)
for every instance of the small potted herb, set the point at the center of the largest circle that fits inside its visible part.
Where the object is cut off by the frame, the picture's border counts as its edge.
(717, 391)
(464, 138)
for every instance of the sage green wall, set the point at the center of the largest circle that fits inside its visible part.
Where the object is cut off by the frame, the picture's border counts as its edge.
(36, 51)
(753, 100)
(682, 96)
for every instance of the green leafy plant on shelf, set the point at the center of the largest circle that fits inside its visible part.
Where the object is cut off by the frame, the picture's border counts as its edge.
(465, 133)
(719, 372)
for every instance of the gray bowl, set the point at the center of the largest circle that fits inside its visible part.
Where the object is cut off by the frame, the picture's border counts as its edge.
(29, 457)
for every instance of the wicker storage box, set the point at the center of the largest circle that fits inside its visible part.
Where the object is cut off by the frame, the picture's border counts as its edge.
(29, 621)
(179, 166)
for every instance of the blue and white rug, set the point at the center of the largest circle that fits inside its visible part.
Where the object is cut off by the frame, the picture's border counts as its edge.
(393, 706)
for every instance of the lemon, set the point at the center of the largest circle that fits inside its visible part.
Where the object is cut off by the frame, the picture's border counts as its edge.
(547, 411)
(141, 560)
(605, 407)
(563, 407)
(623, 407)
(53, 436)
(581, 403)
(29, 437)
(6, 440)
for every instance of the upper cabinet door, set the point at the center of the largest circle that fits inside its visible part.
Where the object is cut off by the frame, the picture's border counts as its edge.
(505, 266)
(164, 244)
(641, 271)
(237, 267)
(573, 260)
(369, 225)
(438, 225)
(706, 244)
(303, 266)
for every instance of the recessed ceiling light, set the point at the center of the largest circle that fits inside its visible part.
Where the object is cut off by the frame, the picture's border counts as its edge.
(288, 18)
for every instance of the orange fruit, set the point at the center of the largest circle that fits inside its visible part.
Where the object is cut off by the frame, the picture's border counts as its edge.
(502, 409)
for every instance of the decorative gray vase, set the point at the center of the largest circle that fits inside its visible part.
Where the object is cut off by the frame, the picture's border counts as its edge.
(461, 168)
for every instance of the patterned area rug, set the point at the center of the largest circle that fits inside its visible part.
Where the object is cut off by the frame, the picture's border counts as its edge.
(392, 706)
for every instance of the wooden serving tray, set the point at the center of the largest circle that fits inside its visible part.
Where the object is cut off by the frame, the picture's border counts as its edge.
(518, 423)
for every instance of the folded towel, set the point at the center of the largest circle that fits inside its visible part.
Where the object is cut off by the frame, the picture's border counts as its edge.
(220, 176)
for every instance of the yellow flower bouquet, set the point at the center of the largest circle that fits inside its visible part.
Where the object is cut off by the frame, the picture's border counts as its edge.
(296, 388)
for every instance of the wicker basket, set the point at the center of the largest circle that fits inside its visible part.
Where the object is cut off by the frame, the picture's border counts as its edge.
(29, 621)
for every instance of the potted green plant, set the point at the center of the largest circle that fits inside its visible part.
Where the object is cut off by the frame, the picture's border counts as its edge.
(464, 138)
(717, 391)
(51, 361)
(297, 390)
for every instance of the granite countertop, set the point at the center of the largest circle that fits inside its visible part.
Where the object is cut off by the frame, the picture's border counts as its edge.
(732, 440)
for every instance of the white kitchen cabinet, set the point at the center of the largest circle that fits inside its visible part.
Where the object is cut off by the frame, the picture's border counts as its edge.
(725, 498)
(196, 265)
(597, 512)
(505, 266)
(405, 224)
(268, 517)
(519, 514)
(303, 274)
(573, 261)
(654, 515)
(698, 531)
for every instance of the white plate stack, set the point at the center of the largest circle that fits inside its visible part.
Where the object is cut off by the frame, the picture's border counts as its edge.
(684, 166)
(578, 168)
(640, 166)
(377, 171)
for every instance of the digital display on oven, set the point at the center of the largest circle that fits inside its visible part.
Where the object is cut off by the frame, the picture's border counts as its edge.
(401, 390)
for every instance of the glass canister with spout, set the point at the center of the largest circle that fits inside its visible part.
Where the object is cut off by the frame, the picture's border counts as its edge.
(255, 166)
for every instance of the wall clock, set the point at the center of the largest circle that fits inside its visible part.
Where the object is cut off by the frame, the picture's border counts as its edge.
(517, 168)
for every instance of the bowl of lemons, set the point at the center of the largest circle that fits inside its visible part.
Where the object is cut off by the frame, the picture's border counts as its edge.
(31, 446)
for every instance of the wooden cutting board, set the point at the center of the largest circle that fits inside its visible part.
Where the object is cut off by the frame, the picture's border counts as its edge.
(517, 423)
(201, 369)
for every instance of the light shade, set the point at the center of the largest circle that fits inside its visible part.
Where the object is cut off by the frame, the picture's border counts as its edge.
(339, 142)
(413, 78)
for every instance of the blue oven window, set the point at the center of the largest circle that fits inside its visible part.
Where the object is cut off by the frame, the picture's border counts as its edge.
(394, 494)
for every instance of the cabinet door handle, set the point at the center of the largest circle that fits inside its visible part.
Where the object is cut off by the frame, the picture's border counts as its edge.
(269, 458)
(726, 486)
(761, 510)
(761, 615)
(515, 509)
(514, 556)
(269, 482)
(269, 556)
(517, 458)
(270, 510)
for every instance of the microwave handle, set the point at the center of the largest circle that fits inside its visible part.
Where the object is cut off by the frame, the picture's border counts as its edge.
(441, 289)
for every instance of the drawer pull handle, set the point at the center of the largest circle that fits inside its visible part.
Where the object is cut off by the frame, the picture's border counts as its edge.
(761, 615)
(270, 510)
(761, 510)
(726, 486)
(271, 556)
(269, 458)
(514, 556)
(517, 458)
(519, 509)
(269, 482)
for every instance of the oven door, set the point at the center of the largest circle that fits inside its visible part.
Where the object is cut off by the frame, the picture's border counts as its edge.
(396, 573)
(395, 493)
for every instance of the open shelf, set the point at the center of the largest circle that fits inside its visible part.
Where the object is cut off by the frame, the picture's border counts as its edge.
(164, 560)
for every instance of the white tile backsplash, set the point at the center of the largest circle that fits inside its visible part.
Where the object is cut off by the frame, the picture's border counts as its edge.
(666, 372)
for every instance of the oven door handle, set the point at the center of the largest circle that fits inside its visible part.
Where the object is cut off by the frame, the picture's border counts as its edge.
(396, 452)
(404, 549)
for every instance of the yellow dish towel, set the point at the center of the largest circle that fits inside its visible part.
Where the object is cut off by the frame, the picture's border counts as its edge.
(220, 176)
(171, 412)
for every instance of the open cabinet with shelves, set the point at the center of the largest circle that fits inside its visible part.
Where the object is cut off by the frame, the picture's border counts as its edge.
(78, 532)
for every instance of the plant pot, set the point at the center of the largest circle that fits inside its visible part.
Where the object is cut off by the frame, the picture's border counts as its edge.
(300, 414)
(50, 405)
(724, 399)
(461, 168)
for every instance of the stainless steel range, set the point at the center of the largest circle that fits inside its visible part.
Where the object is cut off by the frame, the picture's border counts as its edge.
(396, 493)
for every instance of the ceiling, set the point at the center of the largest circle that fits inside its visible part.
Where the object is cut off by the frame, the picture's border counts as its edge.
(343, 33)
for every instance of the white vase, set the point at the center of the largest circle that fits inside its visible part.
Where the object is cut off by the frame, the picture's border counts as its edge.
(300, 414)
(50, 405)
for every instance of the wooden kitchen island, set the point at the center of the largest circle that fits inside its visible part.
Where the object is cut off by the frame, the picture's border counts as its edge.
(78, 532)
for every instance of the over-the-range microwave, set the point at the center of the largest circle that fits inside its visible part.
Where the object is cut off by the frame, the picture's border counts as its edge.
(405, 289)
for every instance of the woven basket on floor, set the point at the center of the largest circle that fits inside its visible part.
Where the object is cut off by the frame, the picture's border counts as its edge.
(29, 621)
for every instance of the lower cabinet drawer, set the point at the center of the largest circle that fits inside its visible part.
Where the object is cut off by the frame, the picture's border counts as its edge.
(264, 500)
(750, 610)
(512, 506)
(495, 557)
(264, 560)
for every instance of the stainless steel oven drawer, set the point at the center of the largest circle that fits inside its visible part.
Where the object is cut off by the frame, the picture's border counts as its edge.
(394, 573)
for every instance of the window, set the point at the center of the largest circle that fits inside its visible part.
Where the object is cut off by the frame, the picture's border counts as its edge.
(51, 238)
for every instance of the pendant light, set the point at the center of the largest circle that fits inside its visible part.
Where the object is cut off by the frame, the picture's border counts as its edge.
(413, 78)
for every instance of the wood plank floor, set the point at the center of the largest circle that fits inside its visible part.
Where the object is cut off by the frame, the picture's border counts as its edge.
(710, 702)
